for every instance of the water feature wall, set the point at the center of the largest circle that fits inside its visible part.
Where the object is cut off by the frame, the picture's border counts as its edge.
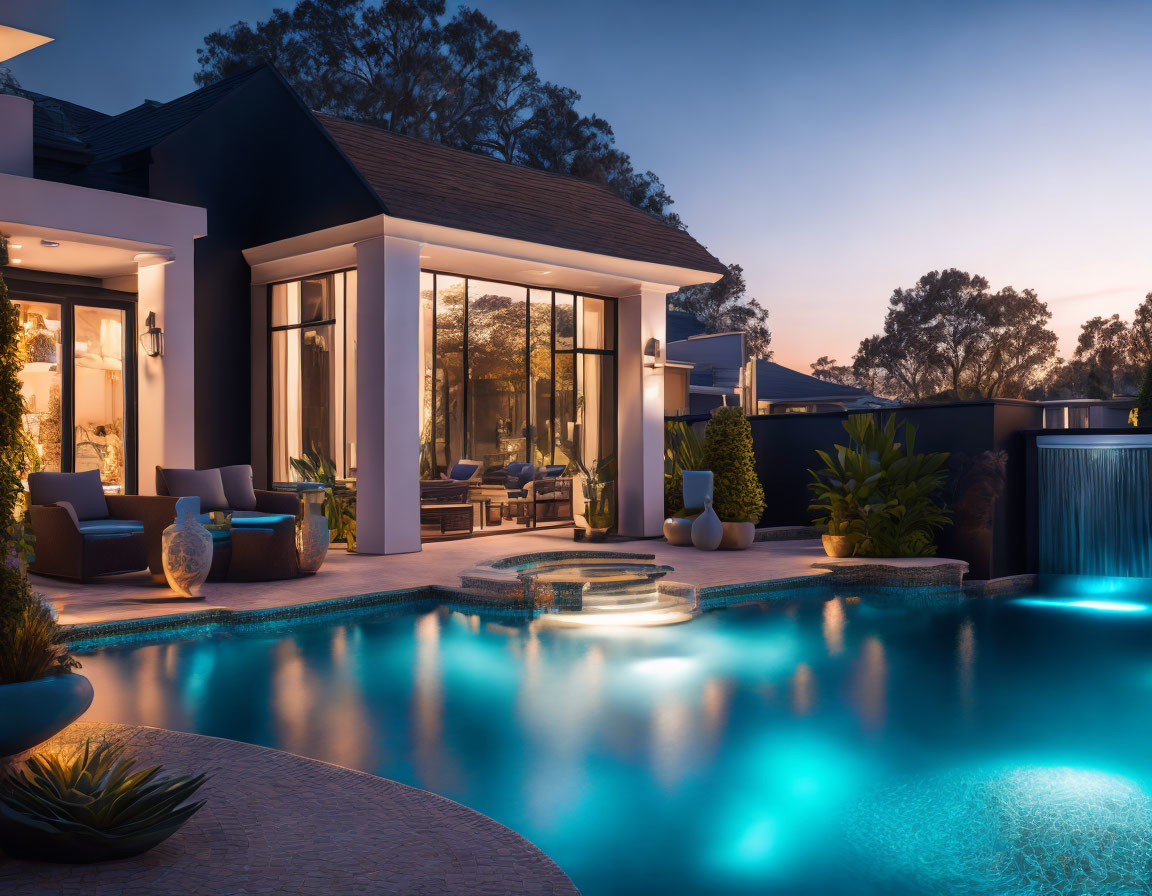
(1095, 505)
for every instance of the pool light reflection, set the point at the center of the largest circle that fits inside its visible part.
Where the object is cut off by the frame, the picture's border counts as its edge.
(1099, 606)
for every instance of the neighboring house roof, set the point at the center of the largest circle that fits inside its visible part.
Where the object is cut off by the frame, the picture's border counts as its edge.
(717, 359)
(682, 325)
(775, 382)
(423, 181)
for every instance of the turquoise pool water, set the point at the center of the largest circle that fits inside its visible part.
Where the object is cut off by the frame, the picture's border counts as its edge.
(841, 744)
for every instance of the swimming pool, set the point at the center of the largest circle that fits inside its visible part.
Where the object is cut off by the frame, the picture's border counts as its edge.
(816, 743)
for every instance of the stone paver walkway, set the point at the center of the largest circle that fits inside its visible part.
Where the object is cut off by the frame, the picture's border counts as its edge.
(276, 823)
(439, 563)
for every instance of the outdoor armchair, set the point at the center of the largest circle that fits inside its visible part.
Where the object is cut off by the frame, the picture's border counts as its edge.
(82, 533)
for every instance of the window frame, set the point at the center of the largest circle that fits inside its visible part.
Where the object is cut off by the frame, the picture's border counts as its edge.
(340, 307)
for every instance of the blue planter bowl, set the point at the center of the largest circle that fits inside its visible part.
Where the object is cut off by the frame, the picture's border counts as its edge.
(33, 711)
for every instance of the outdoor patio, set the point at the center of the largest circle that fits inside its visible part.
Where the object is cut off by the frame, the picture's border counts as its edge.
(134, 596)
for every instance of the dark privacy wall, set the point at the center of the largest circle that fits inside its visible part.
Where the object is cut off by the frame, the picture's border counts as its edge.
(785, 447)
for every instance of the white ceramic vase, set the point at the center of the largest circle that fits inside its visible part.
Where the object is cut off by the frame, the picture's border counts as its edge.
(187, 552)
(707, 530)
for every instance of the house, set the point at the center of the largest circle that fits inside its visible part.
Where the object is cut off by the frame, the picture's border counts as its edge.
(230, 277)
(781, 390)
(704, 371)
(719, 371)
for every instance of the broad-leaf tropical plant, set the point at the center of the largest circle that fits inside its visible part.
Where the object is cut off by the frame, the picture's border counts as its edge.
(595, 479)
(683, 450)
(339, 501)
(880, 490)
(91, 805)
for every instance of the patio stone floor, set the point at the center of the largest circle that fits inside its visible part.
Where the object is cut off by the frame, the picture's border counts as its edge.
(278, 823)
(127, 597)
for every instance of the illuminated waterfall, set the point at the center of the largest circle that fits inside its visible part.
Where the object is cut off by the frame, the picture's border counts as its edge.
(1095, 505)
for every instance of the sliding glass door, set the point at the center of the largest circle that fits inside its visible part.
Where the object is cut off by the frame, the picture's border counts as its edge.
(77, 381)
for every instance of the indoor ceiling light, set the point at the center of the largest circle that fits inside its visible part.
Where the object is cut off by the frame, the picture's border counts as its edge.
(14, 261)
(50, 244)
(15, 245)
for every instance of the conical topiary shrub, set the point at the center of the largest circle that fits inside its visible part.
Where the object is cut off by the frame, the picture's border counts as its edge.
(738, 495)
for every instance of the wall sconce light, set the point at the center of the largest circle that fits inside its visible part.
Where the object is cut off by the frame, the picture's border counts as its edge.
(653, 356)
(152, 339)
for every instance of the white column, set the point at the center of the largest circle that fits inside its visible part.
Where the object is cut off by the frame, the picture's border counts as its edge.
(165, 386)
(387, 396)
(640, 457)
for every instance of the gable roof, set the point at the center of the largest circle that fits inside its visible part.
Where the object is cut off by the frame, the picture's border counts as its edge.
(775, 382)
(423, 181)
(414, 179)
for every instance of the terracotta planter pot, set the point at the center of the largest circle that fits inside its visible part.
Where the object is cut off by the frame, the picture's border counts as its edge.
(838, 545)
(737, 536)
(33, 711)
(678, 531)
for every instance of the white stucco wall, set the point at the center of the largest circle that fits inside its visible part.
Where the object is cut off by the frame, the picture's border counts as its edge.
(154, 230)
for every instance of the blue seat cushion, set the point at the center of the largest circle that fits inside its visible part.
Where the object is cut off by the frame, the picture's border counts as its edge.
(462, 472)
(552, 471)
(264, 520)
(94, 528)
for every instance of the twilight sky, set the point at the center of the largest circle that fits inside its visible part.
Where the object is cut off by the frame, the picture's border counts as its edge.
(834, 149)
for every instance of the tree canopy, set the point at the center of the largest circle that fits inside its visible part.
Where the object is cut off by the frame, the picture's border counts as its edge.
(460, 80)
(725, 306)
(949, 336)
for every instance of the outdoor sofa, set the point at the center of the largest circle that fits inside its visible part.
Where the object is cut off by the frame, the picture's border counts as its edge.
(261, 540)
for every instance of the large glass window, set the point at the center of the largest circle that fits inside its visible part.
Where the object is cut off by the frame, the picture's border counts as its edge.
(497, 372)
(74, 377)
(313, 360)
(513, 373)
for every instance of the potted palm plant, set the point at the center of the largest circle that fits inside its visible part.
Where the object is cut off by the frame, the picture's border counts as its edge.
(597, 488)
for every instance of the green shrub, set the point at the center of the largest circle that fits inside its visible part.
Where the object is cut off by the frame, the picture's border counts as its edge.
(15, 596)
(91, 805)
(738, 496)
(879, 489)
(1143, 407)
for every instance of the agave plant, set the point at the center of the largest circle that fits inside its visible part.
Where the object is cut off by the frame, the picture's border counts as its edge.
(31, 646)
(339, 502)
(91, 806)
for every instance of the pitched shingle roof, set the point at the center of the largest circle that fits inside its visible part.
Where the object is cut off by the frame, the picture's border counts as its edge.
(422, 181)
(150, 122)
